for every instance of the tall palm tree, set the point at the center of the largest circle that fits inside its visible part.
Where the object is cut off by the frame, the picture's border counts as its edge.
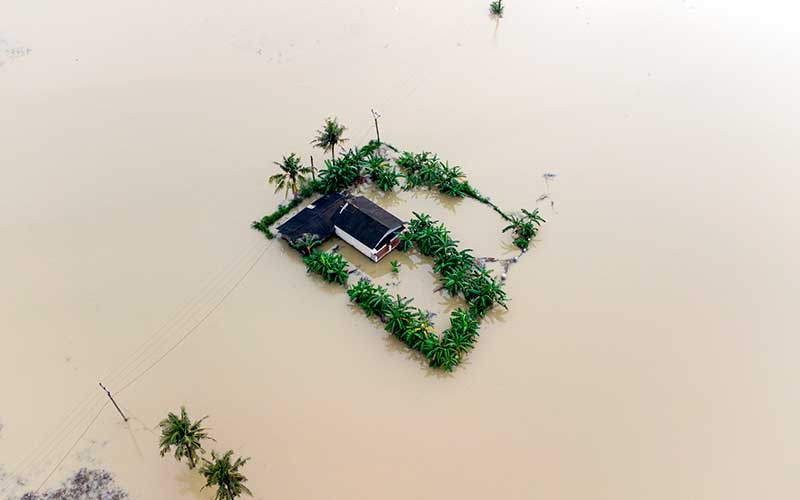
(330, 135)
(292, 173)
(223, 474)
(496, 8)
(184, 435)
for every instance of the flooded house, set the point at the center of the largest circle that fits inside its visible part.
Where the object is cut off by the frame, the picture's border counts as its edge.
(358, 221)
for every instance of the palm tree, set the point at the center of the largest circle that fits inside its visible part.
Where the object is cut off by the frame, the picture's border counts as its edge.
(496, 8)
(223, 474)
(292, 173)
(330, 135)
(184, 435)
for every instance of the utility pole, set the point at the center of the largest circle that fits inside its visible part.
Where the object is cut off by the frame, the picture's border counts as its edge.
(375, 115)
(112, 400)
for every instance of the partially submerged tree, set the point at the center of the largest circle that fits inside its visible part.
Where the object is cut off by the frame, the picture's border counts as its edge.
(524, 227)
(291, 175)
(330, 135)
(225, 476)
(184, 435)
(306, 243)
(496, 8)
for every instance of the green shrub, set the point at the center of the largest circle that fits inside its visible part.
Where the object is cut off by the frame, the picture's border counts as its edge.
(524, 227)
(306, 243)
(460, 273)
(342, 172)
(331, 266)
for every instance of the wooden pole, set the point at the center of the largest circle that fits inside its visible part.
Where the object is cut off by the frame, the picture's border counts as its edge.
(112, 400)
(375, 116)
(313, 177)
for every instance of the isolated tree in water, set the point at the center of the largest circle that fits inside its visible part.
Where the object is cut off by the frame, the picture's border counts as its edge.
(291, 174)
(223, 474)
(330, 135)
(184, 435)
(496, 8)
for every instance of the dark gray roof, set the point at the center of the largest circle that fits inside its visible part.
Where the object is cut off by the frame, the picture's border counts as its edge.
(316, 219)
(365, 221)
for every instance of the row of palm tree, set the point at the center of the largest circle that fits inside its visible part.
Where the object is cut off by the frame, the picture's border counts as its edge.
(460, 272)
(331, 266)
(524, 227)
(412, 326)
(185, 437)
(292, 173)
(338, 174)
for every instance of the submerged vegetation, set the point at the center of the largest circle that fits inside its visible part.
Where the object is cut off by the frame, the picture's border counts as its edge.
(292, 174)
(460, 273)
(186, 437)
(85, 484)
(426, 169)
(225, 476)
(525, 227)
(382, 174)
(413, 327)
(329, 136)
(331, 266)
(496, 8)
(306, 243)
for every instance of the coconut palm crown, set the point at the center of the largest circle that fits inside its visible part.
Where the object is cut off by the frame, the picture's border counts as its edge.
(291, 174)
(330, 135)
(496, 8)
(223, 474)
(184, 435)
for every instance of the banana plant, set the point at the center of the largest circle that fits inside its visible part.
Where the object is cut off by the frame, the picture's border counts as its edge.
(439, 355)
(406, 241)
(306, 243)
(525, 227)
(398, 315)
(331, 266)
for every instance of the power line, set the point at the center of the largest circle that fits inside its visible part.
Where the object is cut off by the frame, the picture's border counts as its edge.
(73, 446)
(81, 408)
(199, 323)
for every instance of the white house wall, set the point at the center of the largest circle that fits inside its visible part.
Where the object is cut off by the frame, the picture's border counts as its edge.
(354, 243)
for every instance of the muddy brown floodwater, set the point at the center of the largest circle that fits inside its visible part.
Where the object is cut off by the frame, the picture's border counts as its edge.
(650, 347)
